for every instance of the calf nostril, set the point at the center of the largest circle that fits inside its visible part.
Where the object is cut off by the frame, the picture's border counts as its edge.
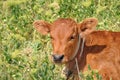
(54, 57)
(61, 57)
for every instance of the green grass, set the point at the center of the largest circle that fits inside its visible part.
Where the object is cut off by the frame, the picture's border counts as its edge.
(24, 53)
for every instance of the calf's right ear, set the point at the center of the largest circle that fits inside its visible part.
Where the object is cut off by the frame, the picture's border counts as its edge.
(42, 26)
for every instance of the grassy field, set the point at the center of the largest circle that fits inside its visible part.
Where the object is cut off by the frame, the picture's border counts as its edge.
(24, 53)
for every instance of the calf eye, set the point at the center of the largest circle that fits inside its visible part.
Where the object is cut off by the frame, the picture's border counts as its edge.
(72, 38)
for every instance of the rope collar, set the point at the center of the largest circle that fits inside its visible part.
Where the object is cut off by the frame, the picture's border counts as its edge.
(76, 52)
(77, 49)
(78, 46)
(81, 52)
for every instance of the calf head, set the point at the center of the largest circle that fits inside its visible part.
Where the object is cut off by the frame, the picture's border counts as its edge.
(65, 35)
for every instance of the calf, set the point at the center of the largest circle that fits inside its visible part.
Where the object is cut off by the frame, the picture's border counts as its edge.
(79, 45)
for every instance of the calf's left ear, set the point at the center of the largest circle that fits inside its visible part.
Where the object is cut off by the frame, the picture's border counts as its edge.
(87, 26)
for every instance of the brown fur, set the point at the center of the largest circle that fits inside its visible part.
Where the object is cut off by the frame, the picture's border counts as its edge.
(101, 50)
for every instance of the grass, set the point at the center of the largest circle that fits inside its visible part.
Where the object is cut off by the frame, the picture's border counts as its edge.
(24, 53)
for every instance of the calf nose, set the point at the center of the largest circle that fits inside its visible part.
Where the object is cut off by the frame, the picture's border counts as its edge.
(57, 57)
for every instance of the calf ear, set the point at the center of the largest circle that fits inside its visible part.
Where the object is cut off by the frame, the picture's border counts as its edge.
(42, 26)
(87, 26)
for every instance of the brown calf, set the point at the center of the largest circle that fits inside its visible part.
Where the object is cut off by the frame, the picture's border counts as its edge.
(79, 42)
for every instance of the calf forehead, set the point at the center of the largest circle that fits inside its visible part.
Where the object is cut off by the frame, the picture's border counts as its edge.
(63, 27)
